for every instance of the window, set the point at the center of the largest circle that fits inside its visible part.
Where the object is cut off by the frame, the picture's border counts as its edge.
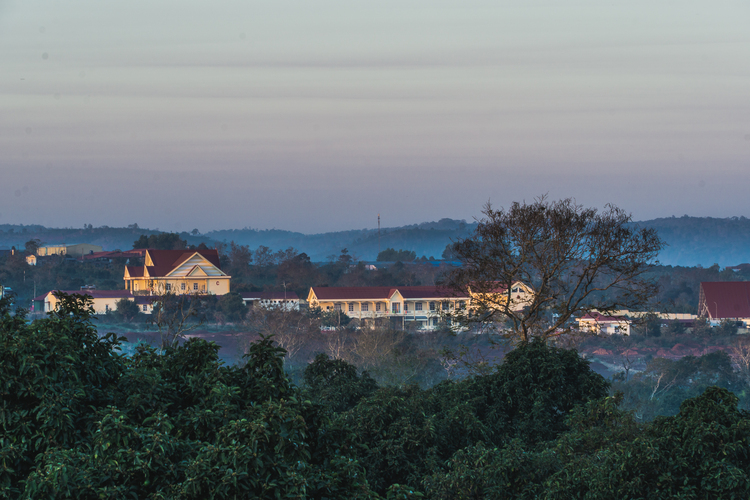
(195, 286)
(351, 307)
(135, 286)
(446, 305)
(406, 307)
(168, 286)
(418, 306)
(336, 307)
(378, 306)
(182, 286)
(106, 307)
(396, 307)
(365, 307)
(432, 306)
(145, 308)
(434, 322)
(462, 304)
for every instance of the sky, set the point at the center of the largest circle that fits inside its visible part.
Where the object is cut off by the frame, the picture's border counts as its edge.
(318, 116)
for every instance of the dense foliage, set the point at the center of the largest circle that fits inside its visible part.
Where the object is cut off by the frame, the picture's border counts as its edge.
(80, 420)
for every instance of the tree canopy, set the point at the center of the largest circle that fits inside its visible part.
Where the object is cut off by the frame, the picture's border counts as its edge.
(575, 259)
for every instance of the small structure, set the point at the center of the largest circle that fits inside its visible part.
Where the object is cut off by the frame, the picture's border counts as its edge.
(719, 300)
(104, 301)
(288, 301)
(602, 324)
(77, 250)
(31, 259)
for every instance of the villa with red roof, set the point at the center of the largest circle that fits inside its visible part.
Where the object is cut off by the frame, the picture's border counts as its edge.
(179, 272)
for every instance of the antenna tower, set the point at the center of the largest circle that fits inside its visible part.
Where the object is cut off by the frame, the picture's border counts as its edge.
(378, 233)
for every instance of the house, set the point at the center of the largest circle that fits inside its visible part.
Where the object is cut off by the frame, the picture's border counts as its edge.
(598, 323)
(77, 250)
(282, 300)
(496, 295)
(179, 272)
(420, 305)
(104, 301)
(31, 259)
(720, 300)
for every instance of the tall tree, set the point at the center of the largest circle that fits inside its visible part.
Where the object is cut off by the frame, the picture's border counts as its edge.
(575, 259)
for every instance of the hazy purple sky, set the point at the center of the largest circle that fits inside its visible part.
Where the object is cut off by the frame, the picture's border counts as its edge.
(317, 116)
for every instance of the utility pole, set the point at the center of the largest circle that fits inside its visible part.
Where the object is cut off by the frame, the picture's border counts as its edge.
(378, 234)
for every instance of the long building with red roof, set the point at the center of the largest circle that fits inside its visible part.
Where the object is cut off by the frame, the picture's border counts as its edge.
(419, 304)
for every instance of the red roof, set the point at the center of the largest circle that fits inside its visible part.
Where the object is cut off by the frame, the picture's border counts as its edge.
(381, 292)
(426, 292)
(166, 261)
(353, 292)
(725, 299)
(173, 258)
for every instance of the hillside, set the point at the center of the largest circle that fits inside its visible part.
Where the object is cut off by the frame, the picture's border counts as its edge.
(690, 241)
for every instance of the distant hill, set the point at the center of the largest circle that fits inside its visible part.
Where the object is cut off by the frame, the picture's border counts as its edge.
(428, 239)
(691, 240)
(703, 240)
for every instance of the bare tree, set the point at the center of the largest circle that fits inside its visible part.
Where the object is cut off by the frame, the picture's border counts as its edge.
(741, 357)
(338, 345)
(175, 316)
(291, 330)
(574, 259)
(372, 346)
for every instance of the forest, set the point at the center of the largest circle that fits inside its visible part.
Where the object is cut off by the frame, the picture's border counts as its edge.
(82, 420)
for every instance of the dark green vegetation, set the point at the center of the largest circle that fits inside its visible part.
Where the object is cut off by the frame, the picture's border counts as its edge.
(81, 421)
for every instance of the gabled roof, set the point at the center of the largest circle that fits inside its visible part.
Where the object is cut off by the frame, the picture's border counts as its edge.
(726, 299)
(162, 263)
(173, 258)
(353, 292)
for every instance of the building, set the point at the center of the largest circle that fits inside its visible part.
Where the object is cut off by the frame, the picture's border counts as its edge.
(598, 323)
(420, 305)
(281, 300)
(104, 301)
(179, 272)
(495, 296)
(77, 250)
(719, 300)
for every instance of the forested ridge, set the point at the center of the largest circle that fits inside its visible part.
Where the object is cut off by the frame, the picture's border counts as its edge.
(80, 420)
(690, 241)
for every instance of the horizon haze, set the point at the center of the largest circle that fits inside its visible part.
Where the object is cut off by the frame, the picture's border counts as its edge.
(318, 117)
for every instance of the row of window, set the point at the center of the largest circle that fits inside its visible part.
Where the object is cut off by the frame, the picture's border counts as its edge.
(168, 286)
